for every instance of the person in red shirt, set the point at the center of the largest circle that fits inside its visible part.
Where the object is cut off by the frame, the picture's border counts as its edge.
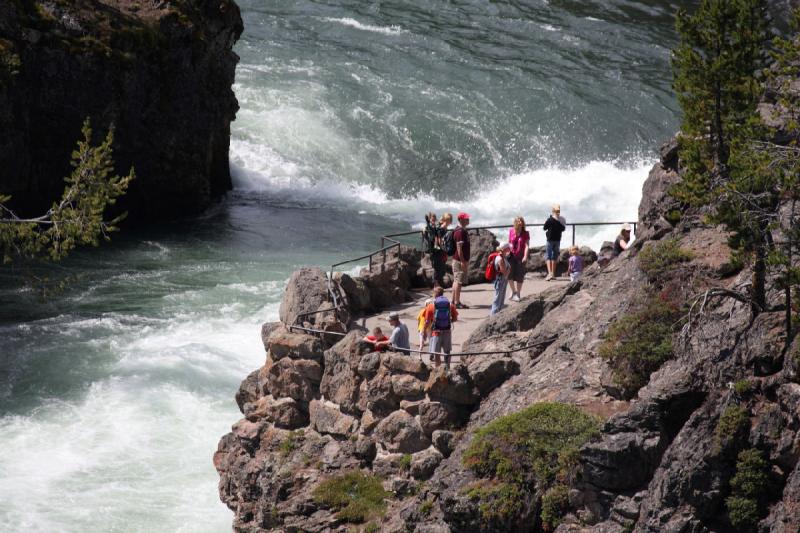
(377, 339)
(439, 317)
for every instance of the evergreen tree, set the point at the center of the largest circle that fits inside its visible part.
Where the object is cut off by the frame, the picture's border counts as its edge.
(78, 217)
(722, 50)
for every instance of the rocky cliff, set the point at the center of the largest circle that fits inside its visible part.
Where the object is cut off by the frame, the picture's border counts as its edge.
(160, 71)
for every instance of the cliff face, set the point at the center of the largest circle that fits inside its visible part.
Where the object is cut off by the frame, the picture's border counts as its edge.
(161, 72)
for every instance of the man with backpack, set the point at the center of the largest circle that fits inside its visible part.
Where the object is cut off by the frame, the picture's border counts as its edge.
(440, 315)
(433, 239)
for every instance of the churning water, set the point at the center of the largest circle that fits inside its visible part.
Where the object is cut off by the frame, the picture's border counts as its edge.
(356, 117)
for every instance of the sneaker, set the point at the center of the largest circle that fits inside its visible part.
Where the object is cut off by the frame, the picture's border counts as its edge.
(514, 297)
(462, 306)
(548, 277)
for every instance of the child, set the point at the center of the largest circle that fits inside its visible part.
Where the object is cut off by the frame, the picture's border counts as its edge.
(424, 332)
(575, 264)
(377, 339)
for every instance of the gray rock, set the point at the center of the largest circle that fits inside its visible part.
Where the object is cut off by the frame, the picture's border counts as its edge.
(249, 391)
(398, 363)
(424, 463)
(444, 441)
(452, 386)
(326, 418)
(285, 380)
(285, 413)
(266, 330)
(377, 394)
(490, 371)
(406, 386)
(438, 415)
(369, 364)
(282, 343)
(401, 432)
(306, 291)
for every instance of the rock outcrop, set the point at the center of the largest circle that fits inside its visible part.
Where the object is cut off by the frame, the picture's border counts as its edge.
(160, 72)
(664, 459)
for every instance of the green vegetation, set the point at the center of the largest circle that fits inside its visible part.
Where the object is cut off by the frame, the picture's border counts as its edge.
(425, 508)
(356, 496)
(732, 427)
(555, 504)
(292, 442)
(518, 454)
(749, 488)
(372, 527)
(637, 344)
(658, 259)
(405, 462)
(78, 218)
(743, 387)
(10, 62)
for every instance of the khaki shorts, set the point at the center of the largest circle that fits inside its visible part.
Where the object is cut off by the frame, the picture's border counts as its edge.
(459, 274)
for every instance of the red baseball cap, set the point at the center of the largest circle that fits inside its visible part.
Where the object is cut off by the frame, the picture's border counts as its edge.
(463, 216)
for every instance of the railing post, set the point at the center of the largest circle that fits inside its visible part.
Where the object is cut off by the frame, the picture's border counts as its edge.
(634, 228)
(573, 235)
(370, 262)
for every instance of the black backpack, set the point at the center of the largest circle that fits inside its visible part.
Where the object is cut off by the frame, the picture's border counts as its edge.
(429, 239)
(449, 243)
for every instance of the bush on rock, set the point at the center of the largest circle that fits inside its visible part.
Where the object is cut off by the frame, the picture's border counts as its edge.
(519, 454)
(356, 496)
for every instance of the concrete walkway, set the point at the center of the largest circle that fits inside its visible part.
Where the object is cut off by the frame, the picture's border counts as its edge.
(478, 297)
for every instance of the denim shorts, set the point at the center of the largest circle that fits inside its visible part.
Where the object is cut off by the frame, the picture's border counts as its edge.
(552, 249)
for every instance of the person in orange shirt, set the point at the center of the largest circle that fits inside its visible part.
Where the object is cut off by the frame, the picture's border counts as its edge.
(439, 317)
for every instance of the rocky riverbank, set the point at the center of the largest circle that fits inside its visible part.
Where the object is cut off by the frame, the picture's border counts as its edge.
(161, 72)
(662, 460)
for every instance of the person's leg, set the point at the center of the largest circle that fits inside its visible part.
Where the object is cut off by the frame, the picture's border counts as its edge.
(447, 347)
(456, 299)
(438, 259)
(434, 347)
(498, 296)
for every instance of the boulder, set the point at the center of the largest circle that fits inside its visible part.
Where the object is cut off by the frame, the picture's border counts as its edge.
(285, 380)
(327, 418)
(369, 364)
(248, 432)
(377, 394)
(490, 371)
(406, 386)
(340, 380)
(386, 465)
(283, 343)
(356, 290)
(310, 370)
(435, 416)
(452, 386)
(401, 432)
(368, 422)
(365, 449)
(306, 291)
(444, 441)
(266, 330)
(399, 363)
(424, 463)
(285, 413)
(482, 243)
(249, 391)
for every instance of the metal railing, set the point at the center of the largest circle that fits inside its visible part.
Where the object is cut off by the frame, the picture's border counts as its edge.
(395, 244)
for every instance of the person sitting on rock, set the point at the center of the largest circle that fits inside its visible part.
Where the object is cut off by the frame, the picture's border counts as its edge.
(623, 240)
(377, 339)
(398, 340)
(439, 317)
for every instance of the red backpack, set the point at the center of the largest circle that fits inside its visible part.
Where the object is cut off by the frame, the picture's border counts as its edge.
(491, 271)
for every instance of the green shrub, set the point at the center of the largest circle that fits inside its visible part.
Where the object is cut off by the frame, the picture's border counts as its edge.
(426, 507)
(372, 527)
(749, 487)
(658, 259)
(732, 427)
(525, 451)
(673, 216)
(637, 344)
(355, 496)
(743, 387)
(555, 504)
(291, 442)
(405, 462)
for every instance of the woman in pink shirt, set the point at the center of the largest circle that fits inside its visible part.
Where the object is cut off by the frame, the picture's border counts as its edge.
(518, 238)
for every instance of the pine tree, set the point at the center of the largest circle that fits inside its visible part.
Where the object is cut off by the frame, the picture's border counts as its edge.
(721, 49)
(77, 219)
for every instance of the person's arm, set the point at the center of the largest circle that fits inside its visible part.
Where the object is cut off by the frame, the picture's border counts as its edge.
(547, 223)
(367, 339)
(525, 254)
(623, 244)
(458, 255)
(503, 266)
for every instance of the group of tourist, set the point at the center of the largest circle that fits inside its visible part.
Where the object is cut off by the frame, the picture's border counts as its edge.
(506, 266)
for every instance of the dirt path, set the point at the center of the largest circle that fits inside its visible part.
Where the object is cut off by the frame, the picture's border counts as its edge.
(478, 297)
